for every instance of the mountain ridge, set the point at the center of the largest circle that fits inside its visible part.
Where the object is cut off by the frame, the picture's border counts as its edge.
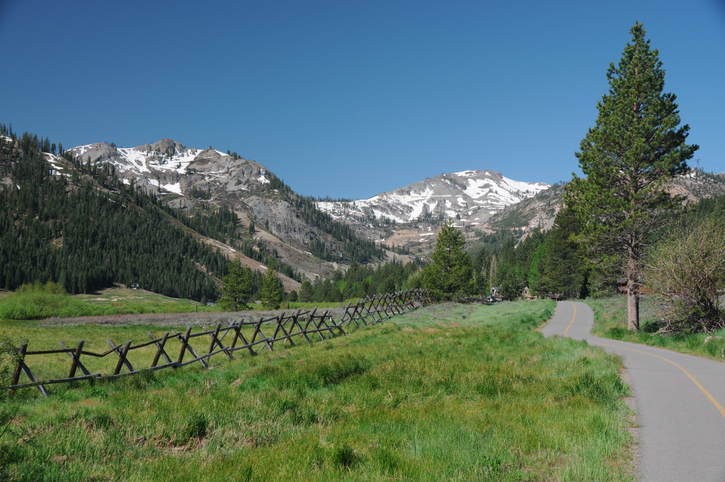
(282, 222)
(471, 195)
(406, 218)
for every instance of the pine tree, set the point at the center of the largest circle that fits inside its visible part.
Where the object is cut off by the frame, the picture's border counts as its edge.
(306, 291)
(563, 268)
(511, 283)
(481, 271)
(450, 271)
(633, 150)
(493, 272)
(536, 268)
(236, 287)
(272, 290)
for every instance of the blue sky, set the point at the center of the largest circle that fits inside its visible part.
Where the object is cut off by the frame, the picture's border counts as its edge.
(351, 98)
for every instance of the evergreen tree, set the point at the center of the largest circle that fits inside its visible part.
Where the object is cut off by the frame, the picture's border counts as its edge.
(236, 287)
(481, 272)
(450, 271)
(634, 149)
(563, 269)
(512, 285)
(536, 269)
(272, 289)
(306, 292)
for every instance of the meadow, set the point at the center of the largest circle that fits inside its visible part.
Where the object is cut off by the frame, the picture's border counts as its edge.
(37, 302)
(464, 392)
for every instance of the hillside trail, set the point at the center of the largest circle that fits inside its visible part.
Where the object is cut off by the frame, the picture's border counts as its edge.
(679, 402)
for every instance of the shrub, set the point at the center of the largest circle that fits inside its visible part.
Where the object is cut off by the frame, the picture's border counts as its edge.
(686, 272)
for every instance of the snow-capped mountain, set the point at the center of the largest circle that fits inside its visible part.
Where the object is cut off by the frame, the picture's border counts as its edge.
(172, 167)
(185, 177)
(471, 196)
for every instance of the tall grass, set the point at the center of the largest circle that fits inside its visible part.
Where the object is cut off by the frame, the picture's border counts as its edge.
(610, 321)
(448, 392)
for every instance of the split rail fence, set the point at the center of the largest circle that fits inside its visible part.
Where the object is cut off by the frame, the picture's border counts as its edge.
(242, 334)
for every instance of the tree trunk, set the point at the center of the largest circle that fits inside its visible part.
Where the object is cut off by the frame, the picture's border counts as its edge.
(632, 303)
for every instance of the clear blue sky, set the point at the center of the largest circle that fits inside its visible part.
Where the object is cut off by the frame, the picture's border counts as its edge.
(352, 98)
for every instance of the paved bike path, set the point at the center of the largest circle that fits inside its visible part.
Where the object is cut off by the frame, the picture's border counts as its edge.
(679, 402)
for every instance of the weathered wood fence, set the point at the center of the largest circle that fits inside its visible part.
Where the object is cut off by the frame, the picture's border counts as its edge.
(242, 334)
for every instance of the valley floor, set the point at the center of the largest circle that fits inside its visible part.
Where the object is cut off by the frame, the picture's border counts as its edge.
(450, 391)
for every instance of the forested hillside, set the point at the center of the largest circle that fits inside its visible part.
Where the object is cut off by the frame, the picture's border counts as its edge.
(85, 229)
(553, 263)
(341, 243)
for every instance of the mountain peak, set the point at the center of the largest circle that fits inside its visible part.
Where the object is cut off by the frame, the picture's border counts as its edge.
(164, 146)
(471, 196)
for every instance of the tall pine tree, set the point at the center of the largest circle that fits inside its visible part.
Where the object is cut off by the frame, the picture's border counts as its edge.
(451, 270)
(633, 150)
(563, 268)
(272, 290)
(236, 287)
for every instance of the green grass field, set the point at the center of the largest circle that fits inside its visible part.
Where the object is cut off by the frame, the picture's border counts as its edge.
(449, 392)
(36, 304)
(610, 321)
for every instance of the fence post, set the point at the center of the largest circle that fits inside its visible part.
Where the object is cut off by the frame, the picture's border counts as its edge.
(18, 365)
(237, 327)
(280, 326)
(22, 366)
(76, 359)
(303, 331)
(160, 349)
(215, 341)
(122, 357)
(184, 341)
(258, 331)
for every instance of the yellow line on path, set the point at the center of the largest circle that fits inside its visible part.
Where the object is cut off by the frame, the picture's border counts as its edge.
(694, 380)
(572, 321)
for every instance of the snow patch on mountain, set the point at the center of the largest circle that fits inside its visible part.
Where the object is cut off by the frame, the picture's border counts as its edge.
(471, 196)
(172, 167)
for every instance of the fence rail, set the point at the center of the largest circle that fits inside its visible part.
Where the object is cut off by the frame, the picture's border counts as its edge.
(261, 334)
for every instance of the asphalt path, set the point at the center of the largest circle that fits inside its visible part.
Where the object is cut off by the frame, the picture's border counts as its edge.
(679, 402)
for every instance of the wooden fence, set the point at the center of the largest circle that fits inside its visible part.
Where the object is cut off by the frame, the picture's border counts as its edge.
(242, 334)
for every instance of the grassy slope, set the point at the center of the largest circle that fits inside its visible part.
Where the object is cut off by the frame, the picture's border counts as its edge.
(610, 321)
(447, 392)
